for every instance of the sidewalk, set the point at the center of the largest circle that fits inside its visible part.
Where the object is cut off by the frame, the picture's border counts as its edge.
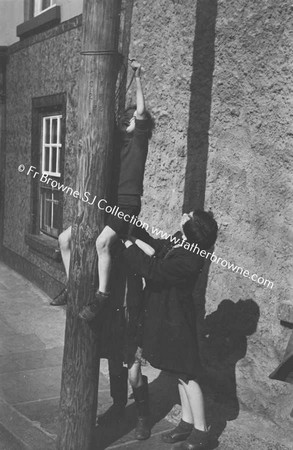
(31, 347)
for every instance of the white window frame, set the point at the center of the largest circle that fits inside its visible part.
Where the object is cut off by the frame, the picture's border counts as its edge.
(38, 7)
(49, 145)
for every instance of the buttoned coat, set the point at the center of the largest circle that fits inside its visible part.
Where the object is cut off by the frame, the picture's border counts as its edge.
(169, 320)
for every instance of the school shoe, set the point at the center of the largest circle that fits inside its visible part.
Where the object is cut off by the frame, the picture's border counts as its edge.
(89, 312)
(118, 392)
(197, 440)
(179, 433)
(60, 299)
(141, 397)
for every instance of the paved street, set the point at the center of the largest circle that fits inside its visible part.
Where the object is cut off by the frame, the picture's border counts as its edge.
(31, 346)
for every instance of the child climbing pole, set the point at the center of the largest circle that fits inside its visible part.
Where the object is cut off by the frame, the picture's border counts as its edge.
(135, 128)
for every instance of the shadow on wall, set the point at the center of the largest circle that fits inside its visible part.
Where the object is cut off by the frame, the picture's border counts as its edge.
(222, 334)
(200, 104)
(222, 339)
(223, 343)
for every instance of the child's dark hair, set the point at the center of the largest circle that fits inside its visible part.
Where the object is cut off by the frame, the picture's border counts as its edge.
(201, 229)
(128, 113)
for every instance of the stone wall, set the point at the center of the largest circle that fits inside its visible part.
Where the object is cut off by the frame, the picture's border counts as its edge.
(217, 79)
(47, 66)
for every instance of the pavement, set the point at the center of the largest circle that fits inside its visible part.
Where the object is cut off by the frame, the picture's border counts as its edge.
(31, 349)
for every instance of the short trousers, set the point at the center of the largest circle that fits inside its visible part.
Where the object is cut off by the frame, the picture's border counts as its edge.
(122, 224)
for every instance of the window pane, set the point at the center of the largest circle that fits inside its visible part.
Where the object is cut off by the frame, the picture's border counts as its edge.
(47, 210)
(47, 131)
(54, 131)
(46, 4)
(47, 159)
(50, 212)
(55, 214)
(54, 159)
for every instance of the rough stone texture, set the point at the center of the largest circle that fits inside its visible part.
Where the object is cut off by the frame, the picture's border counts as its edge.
(217, 79)
(44, 64)
(48, 67)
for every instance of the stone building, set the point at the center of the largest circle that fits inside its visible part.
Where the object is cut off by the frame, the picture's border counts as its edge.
(217, 79)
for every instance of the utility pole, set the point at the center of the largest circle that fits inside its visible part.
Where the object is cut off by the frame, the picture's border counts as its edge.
(98, 73)
(3, 61)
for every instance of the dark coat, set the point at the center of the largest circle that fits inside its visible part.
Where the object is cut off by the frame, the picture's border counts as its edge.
(121, 319)
(169, 326)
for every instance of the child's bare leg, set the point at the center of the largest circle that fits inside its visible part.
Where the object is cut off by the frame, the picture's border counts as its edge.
(103, 246)
(183, 430)
(186, 410)
(192, 428)
(135, 375)
(196, 403)
(64, 240)
(64, 244)
(199, 436)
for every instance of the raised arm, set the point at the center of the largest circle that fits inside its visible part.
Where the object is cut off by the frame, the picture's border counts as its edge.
(170, 271)
(157, 244)
(140, 104)
(146, 248)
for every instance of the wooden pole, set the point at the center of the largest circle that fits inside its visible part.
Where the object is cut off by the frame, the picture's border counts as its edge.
(98, 75)
(3, 62)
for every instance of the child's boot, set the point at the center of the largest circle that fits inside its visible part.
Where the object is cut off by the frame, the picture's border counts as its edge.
(197, 440)
(141, 397)
(179, 433)
(60, 299)
(89, 312)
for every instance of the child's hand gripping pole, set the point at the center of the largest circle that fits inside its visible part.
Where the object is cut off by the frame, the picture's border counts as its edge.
(136, 67)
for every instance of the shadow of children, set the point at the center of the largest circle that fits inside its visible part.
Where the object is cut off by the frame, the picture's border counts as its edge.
(163, 395)
(223, 344)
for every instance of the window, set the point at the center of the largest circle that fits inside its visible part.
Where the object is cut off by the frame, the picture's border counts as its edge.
(39, 16)
(48, 147)
(49, 216)
(42, 5)
(51, 145)
(51, 148)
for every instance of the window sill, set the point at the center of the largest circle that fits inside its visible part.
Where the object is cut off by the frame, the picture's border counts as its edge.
(41, 22)
(45, 245)
(285, 312)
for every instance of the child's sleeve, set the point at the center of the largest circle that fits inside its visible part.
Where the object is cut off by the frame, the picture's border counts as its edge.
(168, 271)
(141, 127)
(143, 235)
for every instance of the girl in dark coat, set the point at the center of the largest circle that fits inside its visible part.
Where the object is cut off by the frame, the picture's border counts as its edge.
(169, 326)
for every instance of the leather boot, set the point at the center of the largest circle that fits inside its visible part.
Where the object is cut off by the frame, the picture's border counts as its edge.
(119, 393)
(179, 433)
(60, 299)
(197, 440)
(141, 397)
(92, 310)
